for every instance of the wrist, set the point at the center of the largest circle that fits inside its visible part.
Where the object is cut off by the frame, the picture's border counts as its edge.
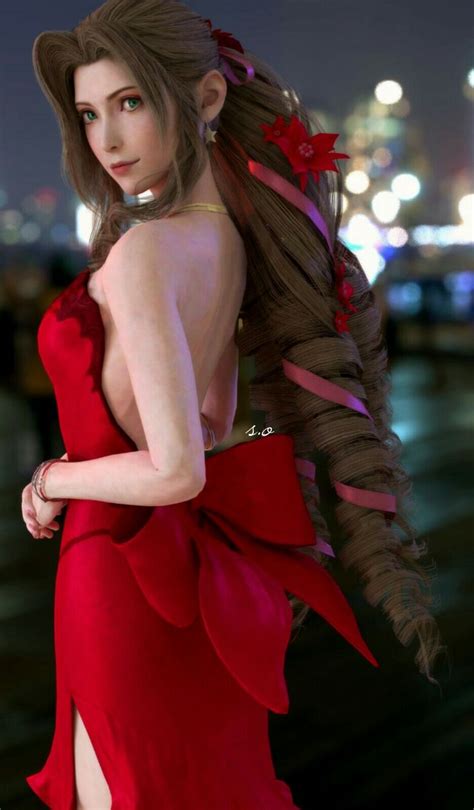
(39, 479)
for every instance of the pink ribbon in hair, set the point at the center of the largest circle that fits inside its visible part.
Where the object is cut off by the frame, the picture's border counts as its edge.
(335, 393)
(307, 379)
(250, 70)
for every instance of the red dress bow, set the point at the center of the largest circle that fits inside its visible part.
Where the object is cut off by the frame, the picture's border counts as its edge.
(231, 553)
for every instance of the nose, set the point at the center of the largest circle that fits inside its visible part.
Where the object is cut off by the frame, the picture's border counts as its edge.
(111, 139)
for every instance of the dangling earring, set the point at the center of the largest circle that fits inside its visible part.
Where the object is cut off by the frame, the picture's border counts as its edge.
(209, 134)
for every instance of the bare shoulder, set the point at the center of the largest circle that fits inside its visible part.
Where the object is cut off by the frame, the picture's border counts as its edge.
(142, 249)
(163, 246)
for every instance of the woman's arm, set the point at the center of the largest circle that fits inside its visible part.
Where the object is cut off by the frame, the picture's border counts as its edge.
(126, 478)
(205, 435)
(144, 307)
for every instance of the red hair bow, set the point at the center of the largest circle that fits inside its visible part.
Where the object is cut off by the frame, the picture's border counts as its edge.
(227, 47)
(224, 38)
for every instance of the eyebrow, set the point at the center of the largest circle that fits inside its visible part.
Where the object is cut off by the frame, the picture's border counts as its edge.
(112, 95)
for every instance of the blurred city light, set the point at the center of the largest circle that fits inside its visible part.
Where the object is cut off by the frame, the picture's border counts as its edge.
(405, 297)
(371, 261)
(361, 231)
(443, 235)
(397, 237)
(382, 156)
(30, 232)
(388, 92)
(466, 210)
(385, 206)
(60, 234)
(357, 182)
(406, 186)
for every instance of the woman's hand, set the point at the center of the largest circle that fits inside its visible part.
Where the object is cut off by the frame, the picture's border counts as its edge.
(39, 516)
(46, 511)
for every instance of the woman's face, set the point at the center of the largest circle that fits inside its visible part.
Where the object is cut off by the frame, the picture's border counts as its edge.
(123, 128)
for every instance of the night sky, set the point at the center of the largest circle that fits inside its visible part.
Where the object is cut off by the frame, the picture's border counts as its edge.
(332, 53)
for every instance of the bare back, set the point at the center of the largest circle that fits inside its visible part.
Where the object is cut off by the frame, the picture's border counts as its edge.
(210, 292)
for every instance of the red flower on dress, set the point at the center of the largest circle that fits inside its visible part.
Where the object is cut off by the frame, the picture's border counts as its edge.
(224, 38)
(306, 153)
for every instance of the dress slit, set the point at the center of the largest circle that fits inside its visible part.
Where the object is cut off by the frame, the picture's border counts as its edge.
(92, 724)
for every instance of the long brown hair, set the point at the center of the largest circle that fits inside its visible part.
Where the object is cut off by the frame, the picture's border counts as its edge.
(289, 303)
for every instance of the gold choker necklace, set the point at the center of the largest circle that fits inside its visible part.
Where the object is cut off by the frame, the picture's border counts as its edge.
(219, 209)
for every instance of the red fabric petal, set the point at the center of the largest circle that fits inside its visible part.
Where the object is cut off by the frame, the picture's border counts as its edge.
(162, 558)
(266, 504)
(306, 578)
(248, 619)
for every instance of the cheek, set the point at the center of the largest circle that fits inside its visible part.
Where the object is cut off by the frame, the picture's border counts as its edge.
(90, 140)
(150, 136)
(93, 138)
(151, 141)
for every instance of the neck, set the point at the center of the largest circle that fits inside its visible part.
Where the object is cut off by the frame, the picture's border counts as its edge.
(205, 190)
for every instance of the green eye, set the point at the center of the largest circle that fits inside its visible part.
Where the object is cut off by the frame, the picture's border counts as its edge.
(82, 113)
(132, 99)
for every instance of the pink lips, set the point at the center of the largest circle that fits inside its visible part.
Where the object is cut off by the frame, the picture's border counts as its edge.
(122, 167)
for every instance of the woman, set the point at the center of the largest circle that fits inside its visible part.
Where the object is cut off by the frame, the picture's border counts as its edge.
(171, 617)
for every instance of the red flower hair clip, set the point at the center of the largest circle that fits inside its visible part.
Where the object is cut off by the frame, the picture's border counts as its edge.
(306, 153)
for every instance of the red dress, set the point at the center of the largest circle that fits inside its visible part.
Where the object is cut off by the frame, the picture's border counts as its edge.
(171, 623)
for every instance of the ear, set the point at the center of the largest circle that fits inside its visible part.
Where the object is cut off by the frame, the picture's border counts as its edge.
(212, 91)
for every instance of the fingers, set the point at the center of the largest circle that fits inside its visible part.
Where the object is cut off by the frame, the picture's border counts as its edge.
(49, 529)
(35, 529)
(31, 523)
(29, 516)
